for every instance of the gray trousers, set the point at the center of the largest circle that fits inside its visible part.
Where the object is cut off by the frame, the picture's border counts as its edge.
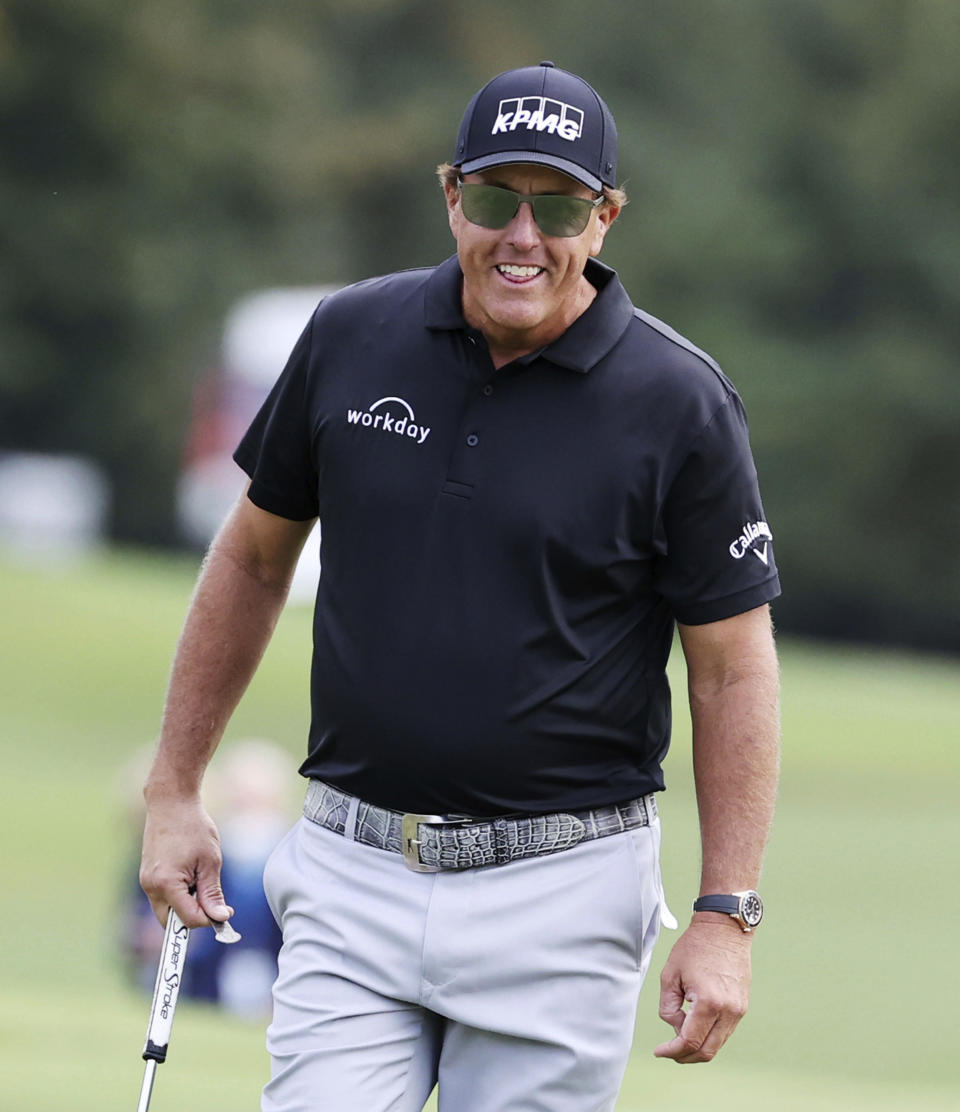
(513, 988)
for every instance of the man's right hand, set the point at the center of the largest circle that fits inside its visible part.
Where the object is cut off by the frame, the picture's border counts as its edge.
(180, 865)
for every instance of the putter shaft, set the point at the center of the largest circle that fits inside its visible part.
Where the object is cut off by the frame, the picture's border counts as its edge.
(146, 1088)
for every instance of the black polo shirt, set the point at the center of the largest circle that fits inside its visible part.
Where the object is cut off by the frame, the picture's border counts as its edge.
(504, 553)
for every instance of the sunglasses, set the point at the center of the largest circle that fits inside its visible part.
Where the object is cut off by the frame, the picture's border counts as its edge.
(556, 214)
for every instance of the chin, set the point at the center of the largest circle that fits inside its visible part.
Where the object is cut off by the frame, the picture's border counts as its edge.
(518, 326)
(518, 316)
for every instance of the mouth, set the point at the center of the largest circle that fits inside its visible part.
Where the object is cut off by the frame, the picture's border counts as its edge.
(519, 274)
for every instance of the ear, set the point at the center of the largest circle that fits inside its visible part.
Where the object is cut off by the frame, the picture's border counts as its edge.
(452, 197)
(606, 215)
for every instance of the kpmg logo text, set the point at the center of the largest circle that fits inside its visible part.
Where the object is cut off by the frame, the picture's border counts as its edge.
(539, 114)
(395, 416)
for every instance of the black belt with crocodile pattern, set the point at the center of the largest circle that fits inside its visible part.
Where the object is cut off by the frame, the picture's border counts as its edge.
(430, 843)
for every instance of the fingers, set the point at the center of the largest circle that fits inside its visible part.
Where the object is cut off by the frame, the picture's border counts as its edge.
(178, 888)
(701, 1031)
(671, 1005)
(211, 899)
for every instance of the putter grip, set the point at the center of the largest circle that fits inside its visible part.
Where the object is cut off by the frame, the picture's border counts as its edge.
(167, 988)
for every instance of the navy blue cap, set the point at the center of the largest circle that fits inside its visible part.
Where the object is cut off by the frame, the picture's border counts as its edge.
(540, 114)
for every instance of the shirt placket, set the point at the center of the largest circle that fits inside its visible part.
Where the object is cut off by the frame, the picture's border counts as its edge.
(466, 460)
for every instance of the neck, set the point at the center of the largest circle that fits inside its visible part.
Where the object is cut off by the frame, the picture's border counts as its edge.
(505, 344)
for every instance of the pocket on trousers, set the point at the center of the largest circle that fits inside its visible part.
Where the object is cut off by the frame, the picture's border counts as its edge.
(646, 845)
(273, 870)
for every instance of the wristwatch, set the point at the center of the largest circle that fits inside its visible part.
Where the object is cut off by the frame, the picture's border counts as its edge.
(745, 907)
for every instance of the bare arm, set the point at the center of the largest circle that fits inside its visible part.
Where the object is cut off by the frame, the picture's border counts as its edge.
(733, 688)
(239, 596)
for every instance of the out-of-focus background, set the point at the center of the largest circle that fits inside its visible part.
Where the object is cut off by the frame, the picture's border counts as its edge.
(178, 185)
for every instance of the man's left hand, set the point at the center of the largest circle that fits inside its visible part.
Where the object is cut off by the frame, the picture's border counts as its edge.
(709, 970)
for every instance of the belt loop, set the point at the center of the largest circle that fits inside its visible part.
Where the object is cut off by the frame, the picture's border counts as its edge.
(350, 824)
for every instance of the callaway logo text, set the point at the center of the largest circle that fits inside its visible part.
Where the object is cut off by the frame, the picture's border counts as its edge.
(396, 416)
(539, 114)
(753, 532)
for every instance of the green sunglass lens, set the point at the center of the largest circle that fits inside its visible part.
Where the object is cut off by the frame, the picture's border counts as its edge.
(493, 207)
(488, 206)
(561, 216)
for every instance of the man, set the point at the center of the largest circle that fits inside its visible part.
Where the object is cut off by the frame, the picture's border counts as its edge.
(523, 483)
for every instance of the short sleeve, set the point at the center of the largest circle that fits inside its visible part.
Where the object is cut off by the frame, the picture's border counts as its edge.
(718, 559)
(276, 451)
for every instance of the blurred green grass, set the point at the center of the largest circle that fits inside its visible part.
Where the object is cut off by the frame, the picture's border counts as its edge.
(855, 969)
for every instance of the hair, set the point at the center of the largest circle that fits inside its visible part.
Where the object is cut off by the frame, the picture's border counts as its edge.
(613, 198)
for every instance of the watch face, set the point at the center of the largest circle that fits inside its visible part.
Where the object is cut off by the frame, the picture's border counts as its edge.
(751, 909)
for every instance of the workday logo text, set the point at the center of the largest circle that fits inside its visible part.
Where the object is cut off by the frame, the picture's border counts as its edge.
(539, 114)
(392, 415)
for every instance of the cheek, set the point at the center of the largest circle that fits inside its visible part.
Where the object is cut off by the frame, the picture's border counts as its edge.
(596, 241)
(575, 261)
(474, 245)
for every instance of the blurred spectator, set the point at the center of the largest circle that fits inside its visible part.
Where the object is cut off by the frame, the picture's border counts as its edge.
(248, 793)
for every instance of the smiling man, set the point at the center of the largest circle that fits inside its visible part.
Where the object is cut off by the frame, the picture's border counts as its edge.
(525, 485)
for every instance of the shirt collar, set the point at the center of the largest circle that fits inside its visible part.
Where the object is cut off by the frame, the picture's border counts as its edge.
(591, 336)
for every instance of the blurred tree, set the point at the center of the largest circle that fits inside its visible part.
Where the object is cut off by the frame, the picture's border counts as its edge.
(795, 212)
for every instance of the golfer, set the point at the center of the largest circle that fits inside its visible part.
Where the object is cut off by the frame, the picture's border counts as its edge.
(525, 485)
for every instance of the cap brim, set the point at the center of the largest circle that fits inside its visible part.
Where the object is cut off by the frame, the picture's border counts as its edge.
(506, 158)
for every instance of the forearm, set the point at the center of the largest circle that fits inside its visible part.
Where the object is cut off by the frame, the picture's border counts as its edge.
(238, 599)
(733, 684)
(736, 753)
(228, 626)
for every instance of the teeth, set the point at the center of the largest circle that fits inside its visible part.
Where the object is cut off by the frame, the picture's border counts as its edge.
(519, 271)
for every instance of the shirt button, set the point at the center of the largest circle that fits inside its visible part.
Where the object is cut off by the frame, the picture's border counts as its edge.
(487, 390)
(473, 440)
(472, 340)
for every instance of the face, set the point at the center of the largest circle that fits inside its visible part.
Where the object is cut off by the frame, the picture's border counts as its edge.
(522, 288)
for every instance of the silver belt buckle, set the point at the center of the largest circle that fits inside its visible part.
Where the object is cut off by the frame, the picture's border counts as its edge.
(410, 841)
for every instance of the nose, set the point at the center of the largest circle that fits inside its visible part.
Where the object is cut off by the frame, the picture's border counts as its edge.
(522, 231)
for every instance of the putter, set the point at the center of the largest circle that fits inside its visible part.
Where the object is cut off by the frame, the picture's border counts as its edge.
(165, 994)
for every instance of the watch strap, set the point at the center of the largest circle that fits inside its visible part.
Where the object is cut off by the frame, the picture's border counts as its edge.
(726, 904)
